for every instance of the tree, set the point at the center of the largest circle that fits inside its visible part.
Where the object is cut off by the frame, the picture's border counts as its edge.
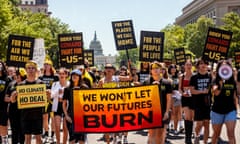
(232, 23)
(196, 40)
(133, 56)
(174, 38)
(37, 25)
(6, 16)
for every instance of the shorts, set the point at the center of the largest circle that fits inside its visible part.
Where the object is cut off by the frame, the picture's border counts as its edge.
(75, 136)
(201, 114)
(176, 102)
(59, 111)
(217, 118)
(3, 117)
(48, 109)
(187, 102)
(32, 126)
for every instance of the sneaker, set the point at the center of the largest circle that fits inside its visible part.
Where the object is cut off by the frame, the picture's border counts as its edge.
(101, 138)
(175, 132)
(119, 141)
(125, 141)
(5, 140)
(50, 140)
(114, 140)
(196, 140)
(181, 130)
(167, 141)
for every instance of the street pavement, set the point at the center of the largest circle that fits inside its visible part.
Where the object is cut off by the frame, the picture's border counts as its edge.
(140, 137)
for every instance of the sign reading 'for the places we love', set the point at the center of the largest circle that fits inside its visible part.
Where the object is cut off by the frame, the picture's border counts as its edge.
(124, 34)
(114, 110)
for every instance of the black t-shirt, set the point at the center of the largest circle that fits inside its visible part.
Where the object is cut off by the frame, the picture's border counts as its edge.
(175, 82)
(4, 81)
(201, 82)
(164, 89)
(224, 102)
(67, 95)
(93, 76)
(12, 87)
(48, 80)
(238, 76)
(32, 113)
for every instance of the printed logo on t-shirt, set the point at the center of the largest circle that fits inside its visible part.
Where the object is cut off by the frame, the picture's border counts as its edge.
(203, 83)
(2, 85)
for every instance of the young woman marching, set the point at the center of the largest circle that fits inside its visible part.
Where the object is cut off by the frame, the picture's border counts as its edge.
(75, 82)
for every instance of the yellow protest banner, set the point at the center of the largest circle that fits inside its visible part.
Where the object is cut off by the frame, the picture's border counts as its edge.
(117, 109)
(31, 96)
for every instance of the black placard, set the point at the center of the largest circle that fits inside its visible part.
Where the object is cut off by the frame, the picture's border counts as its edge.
(124, 34)
(188, 56)
(180, 56)
(20, 50)
(151, 46)
(217, 44)
(70, 49)
(237, 59)
(89, 55)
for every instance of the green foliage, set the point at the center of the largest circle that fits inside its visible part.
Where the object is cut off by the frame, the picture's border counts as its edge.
(192, 37)
(133, 56)
(174, 38)
(232, 23)
(197, 35)
(37, 25)
(6, 16)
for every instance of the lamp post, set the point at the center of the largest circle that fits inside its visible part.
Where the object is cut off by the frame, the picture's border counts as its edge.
(216, 20)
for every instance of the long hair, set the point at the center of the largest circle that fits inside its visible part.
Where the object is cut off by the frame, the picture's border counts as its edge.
(4, 69)
(81, 83)
(52, 71)
(170, 68)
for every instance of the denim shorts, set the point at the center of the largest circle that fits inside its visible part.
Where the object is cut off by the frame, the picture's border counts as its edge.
(222, 118)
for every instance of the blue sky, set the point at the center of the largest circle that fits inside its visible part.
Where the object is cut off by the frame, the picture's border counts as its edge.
(87, 16)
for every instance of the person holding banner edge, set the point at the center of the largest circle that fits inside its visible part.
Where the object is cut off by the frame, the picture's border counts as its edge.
(75, 82)
(111, 81)
(158, 135)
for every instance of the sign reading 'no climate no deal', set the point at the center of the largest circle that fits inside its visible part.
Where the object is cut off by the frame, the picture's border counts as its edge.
(31, 96)
(115, 110)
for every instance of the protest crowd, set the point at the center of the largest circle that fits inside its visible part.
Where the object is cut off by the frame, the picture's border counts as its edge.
(64, 103)
(192, 96)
